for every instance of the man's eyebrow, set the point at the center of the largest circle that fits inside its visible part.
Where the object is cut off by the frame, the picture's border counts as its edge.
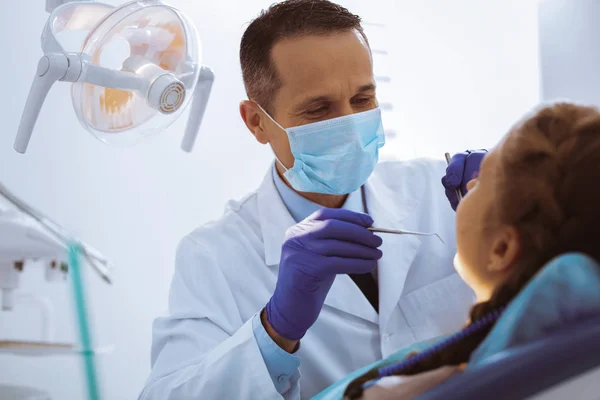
(366, 88)
(313, 100)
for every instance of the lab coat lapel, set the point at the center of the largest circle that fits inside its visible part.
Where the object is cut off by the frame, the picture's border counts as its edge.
(345, 296)
(394, 209)
(275, 219)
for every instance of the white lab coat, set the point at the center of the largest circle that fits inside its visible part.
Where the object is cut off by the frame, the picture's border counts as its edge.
(226, 272)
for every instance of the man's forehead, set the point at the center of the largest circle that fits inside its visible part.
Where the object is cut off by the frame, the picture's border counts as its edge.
(308, 65)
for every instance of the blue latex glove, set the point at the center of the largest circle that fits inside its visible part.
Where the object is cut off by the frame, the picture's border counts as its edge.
(329, 242)
(462, 168)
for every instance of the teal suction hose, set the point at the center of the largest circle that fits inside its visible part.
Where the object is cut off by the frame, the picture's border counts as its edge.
(83, 323)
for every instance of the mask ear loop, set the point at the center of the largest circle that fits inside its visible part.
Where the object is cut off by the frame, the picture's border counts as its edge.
(280, 127)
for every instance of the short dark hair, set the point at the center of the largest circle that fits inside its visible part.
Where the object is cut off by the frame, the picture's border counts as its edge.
(288, 19)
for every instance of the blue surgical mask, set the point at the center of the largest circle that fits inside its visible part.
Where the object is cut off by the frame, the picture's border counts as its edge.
(335, 156)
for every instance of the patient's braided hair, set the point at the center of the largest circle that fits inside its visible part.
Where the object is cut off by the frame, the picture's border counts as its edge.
(548, 189)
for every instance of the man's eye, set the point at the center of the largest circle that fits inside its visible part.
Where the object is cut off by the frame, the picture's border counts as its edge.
(316, 111)
(361, 101)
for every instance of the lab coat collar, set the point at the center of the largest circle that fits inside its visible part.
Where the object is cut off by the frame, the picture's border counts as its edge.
(275, 218)
(390, 208)
(300, 207)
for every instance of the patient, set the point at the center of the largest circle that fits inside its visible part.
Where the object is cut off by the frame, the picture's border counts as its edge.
(535, 198)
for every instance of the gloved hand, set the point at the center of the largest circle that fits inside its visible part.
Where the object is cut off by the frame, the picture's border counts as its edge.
(329, 242)
(462, 168)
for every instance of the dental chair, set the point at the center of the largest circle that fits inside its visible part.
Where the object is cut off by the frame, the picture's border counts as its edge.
(564, 365)
(545, 346)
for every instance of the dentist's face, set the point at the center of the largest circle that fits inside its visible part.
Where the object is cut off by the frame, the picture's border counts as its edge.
(322, 77)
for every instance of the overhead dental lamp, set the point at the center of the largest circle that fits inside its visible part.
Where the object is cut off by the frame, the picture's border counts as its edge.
(138, 68)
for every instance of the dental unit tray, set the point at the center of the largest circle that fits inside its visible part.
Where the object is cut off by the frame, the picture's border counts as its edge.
(41, 348)
(48, 232)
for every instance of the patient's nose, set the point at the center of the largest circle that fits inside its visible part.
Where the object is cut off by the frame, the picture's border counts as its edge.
(470, 184)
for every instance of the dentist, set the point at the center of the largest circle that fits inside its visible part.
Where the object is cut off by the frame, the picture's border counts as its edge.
(289, 291)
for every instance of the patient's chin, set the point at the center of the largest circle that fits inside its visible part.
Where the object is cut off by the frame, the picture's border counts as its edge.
(459, 266)
(464, 272)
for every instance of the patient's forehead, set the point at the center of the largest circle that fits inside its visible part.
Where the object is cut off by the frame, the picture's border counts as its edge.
(489, 162)
(490, 172)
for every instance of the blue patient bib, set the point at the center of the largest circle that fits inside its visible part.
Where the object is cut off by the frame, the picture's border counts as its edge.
(336, 391)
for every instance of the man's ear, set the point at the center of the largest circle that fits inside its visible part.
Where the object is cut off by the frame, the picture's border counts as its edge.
(254, 119)
(506, 249)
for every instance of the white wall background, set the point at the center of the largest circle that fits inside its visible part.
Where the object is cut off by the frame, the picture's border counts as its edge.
(462, 72)
(469, 69)
(570, 55)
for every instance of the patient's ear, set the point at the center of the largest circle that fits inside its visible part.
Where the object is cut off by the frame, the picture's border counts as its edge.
(506, 248)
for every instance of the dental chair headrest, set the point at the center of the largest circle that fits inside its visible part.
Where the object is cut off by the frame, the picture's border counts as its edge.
(563, 292)
(530, 370)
